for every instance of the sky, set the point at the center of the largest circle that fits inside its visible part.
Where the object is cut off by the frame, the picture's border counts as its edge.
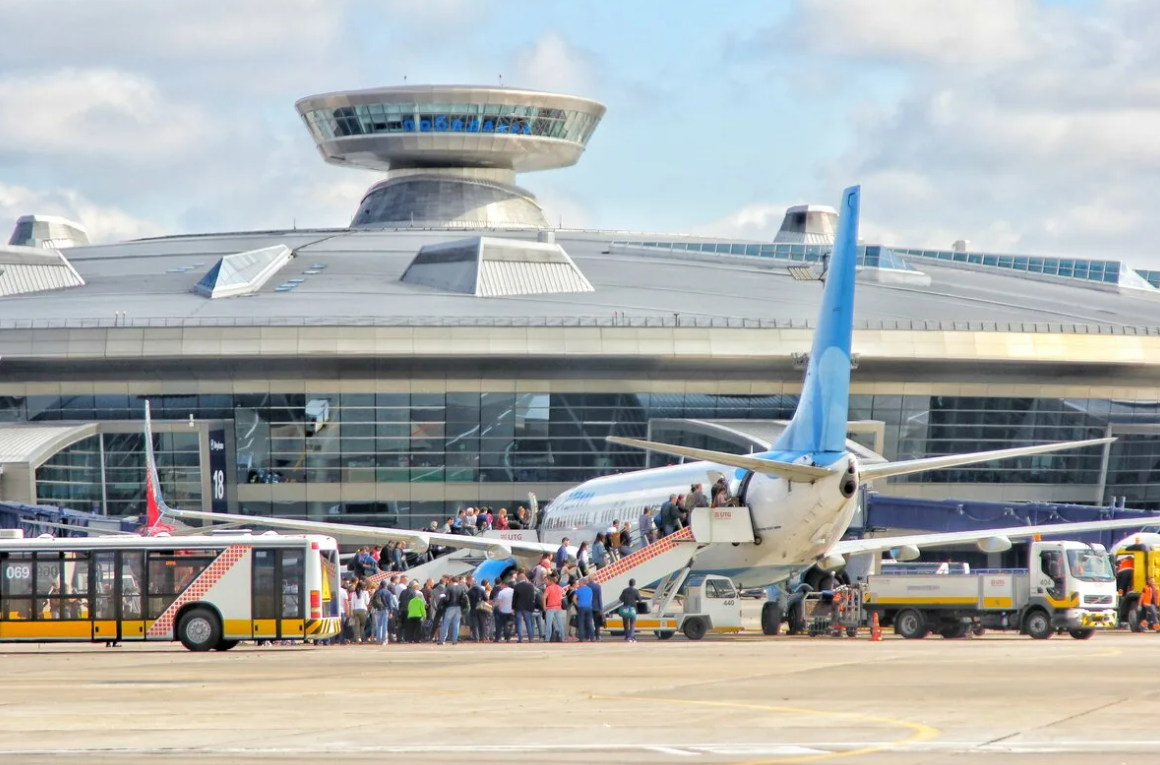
(1025, 126)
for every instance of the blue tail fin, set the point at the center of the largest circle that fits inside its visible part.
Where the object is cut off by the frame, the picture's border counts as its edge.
(819, 424)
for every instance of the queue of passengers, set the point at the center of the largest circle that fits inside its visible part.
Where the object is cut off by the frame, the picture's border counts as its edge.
(557, 601)
(618, 540)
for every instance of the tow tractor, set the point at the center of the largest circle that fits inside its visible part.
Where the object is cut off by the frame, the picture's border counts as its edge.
(711, 604)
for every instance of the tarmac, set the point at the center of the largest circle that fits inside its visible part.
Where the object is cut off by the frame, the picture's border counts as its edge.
(730, 699)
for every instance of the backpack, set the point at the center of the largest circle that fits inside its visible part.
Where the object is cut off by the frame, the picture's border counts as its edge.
(464, 601)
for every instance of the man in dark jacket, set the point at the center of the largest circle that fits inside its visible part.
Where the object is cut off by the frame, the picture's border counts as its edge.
(597, 606)
(524, 606)
(475, 595)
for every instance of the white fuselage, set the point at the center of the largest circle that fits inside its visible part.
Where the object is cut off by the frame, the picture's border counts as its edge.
(795, 522)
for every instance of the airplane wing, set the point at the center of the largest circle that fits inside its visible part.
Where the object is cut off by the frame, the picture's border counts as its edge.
(416, 541)
(789, 470)
(93, 530)
(882, 544)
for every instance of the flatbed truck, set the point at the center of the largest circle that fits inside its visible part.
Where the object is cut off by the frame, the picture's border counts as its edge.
(1066, 587)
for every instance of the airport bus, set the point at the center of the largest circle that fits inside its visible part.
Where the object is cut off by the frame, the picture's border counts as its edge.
(208, 591)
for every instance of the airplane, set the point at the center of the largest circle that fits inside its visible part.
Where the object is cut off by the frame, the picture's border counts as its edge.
(802, 494)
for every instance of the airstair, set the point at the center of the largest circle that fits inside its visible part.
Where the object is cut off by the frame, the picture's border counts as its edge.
(457, 563)
(668, 561)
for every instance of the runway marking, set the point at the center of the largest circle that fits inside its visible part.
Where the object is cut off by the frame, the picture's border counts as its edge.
(920, 732)
(670, 750)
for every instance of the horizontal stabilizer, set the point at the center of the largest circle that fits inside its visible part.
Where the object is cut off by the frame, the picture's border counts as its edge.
(788, 470)
(888, 469)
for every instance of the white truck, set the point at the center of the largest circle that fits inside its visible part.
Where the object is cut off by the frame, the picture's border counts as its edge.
(1067, 586)
(711, 604)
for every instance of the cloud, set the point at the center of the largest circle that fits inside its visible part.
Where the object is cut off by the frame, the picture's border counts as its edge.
(551, 63)
(104, 223)
(94, 112)
(985, 32)
(88, 33)
(1040, 141)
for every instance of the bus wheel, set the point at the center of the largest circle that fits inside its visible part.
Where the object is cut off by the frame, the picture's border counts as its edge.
(225, 645)
(199, 629)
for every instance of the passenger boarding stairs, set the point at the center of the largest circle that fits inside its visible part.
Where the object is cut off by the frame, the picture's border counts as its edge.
(668, 561)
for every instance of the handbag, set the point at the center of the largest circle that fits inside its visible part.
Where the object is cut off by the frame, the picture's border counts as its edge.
(484, 606)
(626, 612)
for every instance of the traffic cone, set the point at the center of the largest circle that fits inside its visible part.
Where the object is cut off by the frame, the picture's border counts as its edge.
(875, 628)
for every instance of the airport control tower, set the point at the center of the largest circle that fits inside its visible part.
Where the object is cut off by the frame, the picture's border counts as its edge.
(452, 151)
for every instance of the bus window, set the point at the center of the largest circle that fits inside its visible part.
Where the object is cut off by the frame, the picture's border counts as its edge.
(132, 575)
(16, 586)
(74, 585)
(104, 583)
(48, 601)
(293, 583)
(266, 592)
(170, 572)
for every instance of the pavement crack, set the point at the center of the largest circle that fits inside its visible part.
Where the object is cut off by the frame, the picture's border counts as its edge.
(1068, 718)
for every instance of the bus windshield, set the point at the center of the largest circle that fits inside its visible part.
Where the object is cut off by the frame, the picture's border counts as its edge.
(1090, 566)
(330, 583)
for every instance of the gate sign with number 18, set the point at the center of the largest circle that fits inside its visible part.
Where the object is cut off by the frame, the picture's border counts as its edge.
(217, 470)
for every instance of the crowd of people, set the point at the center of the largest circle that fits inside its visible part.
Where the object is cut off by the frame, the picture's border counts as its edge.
(553, 602)
(557, 600)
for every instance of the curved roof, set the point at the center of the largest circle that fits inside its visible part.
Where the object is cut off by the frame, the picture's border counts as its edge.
(33, 444)
(348, 300)
(450, 126)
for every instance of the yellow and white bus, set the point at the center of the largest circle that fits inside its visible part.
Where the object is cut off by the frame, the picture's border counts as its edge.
(207, 591)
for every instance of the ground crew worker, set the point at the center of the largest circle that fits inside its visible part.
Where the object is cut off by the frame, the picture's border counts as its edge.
(1149, 598)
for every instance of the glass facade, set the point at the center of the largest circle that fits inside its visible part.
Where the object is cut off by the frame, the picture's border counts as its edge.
(72, 477)
(1106, 271)
(1152, 277)
(565, 124)
(870, 256)
(458, 438)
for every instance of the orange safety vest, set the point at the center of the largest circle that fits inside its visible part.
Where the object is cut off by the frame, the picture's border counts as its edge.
(1148, 596)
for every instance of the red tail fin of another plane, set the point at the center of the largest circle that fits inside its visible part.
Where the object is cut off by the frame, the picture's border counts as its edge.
(154, 502)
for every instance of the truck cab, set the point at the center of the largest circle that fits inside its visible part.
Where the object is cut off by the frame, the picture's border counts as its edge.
(1072, 577)
(1135, 559)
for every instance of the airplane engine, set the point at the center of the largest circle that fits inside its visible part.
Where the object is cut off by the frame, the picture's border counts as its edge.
(905, 552)
(494, 570)
(994, 544)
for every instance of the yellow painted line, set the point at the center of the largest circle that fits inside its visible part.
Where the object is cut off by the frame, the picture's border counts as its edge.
(920, 732)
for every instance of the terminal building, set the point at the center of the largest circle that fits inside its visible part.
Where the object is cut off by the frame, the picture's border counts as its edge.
(450, 348)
